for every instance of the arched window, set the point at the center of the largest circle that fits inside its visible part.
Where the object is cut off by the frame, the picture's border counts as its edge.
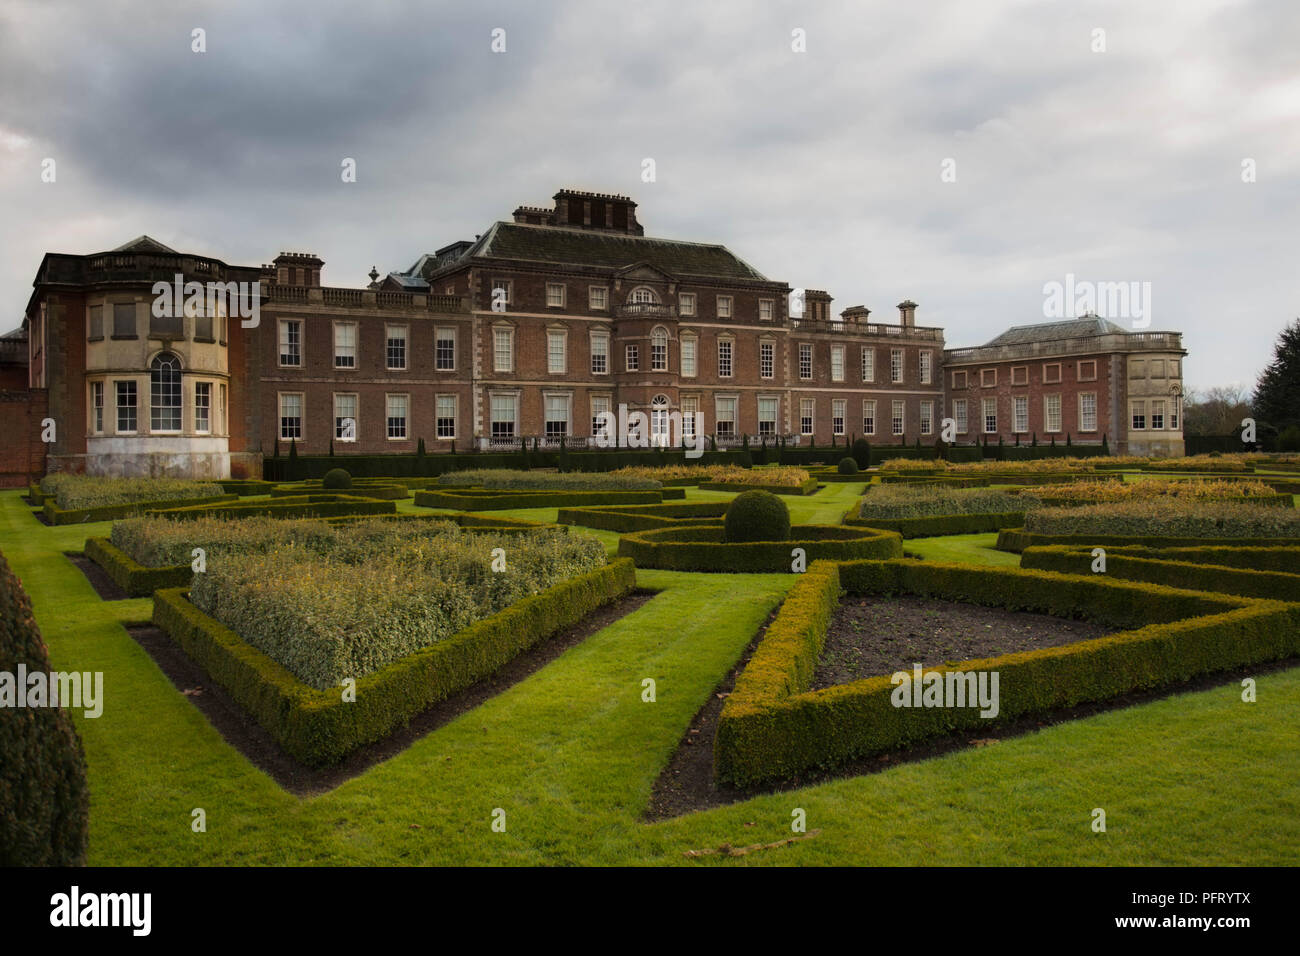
(659, 350)
(643, 296)
(659, 420)
(165, 393)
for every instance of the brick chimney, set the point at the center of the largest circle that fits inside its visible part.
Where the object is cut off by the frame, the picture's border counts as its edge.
(297, 268)
(855, 315)
(907, 313)
(817, 305)
(604, 211)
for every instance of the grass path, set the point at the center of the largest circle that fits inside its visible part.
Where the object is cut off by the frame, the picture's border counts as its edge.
(570, 755)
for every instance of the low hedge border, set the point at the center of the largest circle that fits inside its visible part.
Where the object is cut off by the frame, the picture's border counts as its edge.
(56, 515)
(1244, 582)
(806, 487)
(317, 727)
(393, 492)
(1282, 558)
(1266, 501)
(625, 518)
(1017, 539)
(35, 496)
(302, 506)
(136, 579)
(701, 548)
(773, 727)
(931, 526)
(245, 487)
(492, 499)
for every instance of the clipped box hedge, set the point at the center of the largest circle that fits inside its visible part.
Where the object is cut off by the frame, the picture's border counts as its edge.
(35, 496)
(806, 487)
(935, 525)
(245, 487)
(1272, 585)
(136, 579)
(383, 492)
(317, 727)
(1281, 558)
(1017, 539)
(625, 518)
(701, 548)
(56, 515)
(300, 506)
(773, 727)
(492, 499)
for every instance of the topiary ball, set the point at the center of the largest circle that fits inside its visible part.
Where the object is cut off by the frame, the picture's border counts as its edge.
(848, 466)
(757, 516)
(337, 478)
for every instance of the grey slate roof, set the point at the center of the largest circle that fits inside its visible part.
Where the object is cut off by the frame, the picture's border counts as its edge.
(1051, 331)
(559, 244)
(144, 244)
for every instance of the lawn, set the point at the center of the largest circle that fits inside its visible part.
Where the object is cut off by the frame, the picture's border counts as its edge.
(571, 753)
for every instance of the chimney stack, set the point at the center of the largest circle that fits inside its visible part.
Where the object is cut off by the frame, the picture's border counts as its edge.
(907, 314)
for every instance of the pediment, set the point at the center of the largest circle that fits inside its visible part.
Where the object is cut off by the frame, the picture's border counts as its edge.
(643, 272)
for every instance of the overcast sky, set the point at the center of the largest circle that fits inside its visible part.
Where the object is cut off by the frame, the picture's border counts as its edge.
(821, 168)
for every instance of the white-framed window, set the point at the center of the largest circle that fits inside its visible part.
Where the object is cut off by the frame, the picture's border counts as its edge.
(1051, 373)
(766, 359)
(1173, 415)
(555, 295)
(97, 407)
(397, 408)
(444, 349)
(503, 350)
(345, 416)
(504, 415)
(203, 408)
(659, 421)
(688, 345)
(556, 347)
(1088, 412)
(599, 407)
(444, 415)
(1052, 413)
(686, 303)
(127, 407)
(958, 380)
(895, 365)
(291, 416)
(1020, 375)
(395, 347)
(724, 306)
(767, 407)
(557, 414)
(1139, 412)
(927, 417)
(165, 393)
(990, 415)
(1086, 371)
(659, 350)
(1158, 414)
(898, 420)
(807, 415)
(632, 358)
(503, 291)
(345, 345)
(959, 416)
(868, 364)
(643, 296)
(988, 378)
(1020, 413)
(837, 416)
(690, 408)
(837, 363)
(725, 420)
(725, 347)
(291, 343)
(868, 416)
(597, 298)
(927, 359)
(805, 361)
(599, 353)
(766, 309)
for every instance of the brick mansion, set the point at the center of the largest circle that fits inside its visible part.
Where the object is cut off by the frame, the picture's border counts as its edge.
(532, 330)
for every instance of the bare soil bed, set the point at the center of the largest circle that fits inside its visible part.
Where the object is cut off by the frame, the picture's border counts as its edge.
(874, 635)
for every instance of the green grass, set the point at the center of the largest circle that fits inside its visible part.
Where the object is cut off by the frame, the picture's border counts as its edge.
(572, 752)
(962, 549)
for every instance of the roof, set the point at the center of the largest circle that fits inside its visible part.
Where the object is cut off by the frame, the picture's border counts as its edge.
(591, 247)
(408, 281)
(1052, 331)
(144, 244)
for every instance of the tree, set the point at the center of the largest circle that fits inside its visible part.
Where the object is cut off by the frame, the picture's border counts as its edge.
(1217, 411)
(1277, 391)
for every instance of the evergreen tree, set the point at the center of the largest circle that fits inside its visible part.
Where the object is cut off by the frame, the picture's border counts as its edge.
(1105, 445)
(1277, 391)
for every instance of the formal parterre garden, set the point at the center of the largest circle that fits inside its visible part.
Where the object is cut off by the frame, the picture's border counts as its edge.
(1123, 630)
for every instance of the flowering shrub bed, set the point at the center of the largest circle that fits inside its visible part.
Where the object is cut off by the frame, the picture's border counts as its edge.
(1100, 492)
(560, 481)
(765, 476)
(364, 600)
(77, 492)
(1166, 518)
(921, 501)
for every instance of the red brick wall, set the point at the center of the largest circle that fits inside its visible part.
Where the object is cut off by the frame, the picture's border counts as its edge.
(22, 454)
